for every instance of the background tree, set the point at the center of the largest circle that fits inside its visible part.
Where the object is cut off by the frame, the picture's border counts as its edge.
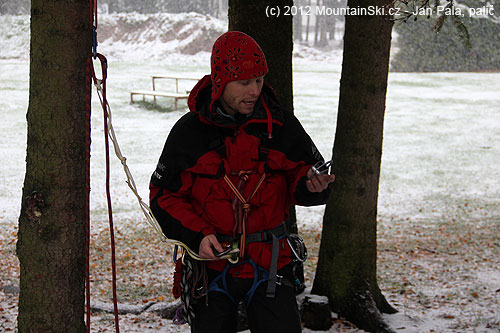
(463, 44)
(346, 270)
(274, 35)
(51, 239)
(18, 7)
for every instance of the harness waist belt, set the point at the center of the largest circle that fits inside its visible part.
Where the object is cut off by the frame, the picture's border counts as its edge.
(262, 236)
(273, 236)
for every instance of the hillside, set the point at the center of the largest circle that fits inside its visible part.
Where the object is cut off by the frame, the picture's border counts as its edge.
(159, 37)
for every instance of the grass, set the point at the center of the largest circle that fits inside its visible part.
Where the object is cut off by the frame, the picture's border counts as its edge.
(438, 224)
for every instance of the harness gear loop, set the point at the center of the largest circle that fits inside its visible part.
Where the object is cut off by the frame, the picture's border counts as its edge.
(192, 283)
(241, 206)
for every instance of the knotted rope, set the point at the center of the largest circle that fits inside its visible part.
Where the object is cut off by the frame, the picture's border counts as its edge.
(241, 206)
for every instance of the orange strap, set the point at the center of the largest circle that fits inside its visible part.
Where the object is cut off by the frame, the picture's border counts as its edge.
(245, 204)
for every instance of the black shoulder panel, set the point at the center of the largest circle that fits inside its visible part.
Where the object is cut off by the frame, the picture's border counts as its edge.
(188, 140)
(292, 140)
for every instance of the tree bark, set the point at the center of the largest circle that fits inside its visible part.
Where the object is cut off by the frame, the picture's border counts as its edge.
(51, 240)
(274, 35)
(346, 271)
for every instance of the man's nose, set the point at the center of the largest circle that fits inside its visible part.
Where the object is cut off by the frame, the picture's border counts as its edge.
(254, 89)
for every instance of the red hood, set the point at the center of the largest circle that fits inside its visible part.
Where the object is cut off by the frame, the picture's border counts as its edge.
(267, 110)
(202, 84)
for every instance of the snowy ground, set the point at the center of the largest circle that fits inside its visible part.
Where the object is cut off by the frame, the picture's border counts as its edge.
(439, 215)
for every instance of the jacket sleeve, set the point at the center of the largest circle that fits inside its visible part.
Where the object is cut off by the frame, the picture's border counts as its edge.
(170, 190)
(300, 154)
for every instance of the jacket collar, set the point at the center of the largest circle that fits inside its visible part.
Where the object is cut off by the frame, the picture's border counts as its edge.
(266, 110)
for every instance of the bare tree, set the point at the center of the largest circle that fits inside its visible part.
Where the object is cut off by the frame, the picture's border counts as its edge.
(346, 271)
(274, 35)
(51, 240)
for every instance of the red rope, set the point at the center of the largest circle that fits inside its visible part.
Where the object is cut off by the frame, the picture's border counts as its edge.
(90, 75)
(108, 193)
(104, 104)
(93, 13)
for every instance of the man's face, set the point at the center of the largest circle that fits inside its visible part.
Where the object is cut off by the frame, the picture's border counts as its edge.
(241, 96)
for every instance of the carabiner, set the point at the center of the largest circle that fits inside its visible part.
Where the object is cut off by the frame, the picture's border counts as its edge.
(320, 168)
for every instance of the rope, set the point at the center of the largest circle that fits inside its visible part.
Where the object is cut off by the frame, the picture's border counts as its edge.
(104, 103)
(131, 182)
(109, 134)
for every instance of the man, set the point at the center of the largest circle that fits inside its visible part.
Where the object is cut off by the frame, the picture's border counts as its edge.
(228, 174)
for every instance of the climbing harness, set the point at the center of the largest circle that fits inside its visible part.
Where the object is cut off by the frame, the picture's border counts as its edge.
(260, 275)
(273, 236)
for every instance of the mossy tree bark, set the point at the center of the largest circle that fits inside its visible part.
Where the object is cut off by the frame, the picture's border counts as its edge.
(346, 270)
(51, 241)
(274, 35)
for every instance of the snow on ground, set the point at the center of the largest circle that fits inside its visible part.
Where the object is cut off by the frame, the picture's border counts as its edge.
(439, 216)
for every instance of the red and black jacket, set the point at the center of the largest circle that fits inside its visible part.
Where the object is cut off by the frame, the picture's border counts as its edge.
(189, 196)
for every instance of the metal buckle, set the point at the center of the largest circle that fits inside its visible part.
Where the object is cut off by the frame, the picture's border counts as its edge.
(278, 279)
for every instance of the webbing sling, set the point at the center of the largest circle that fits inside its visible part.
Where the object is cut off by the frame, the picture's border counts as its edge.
(241, 206)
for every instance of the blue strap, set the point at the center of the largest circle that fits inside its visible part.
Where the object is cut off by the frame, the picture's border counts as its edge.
(256, 281)
(214, 285)
(259, 275)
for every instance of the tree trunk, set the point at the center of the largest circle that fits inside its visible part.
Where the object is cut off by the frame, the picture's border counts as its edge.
(51, 240)
(274, 35)
(330, 20)
(308, 21)
(323, 40)
(297, 27)
(346, 271)
(317, 20)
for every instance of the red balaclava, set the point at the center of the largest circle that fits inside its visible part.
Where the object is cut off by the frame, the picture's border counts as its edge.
(235, 56)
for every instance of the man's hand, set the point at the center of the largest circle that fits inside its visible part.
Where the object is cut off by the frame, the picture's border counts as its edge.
(318, 183)
(206, 247)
